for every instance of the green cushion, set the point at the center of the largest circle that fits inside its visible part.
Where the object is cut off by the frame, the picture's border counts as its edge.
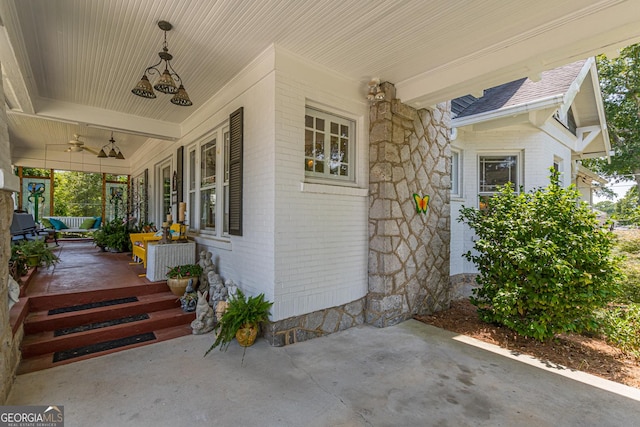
(57, 224)
(46, 223)
(87, 223)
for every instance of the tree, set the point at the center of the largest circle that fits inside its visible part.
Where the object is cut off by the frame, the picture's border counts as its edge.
(620, 86)
(606, 206)
(544, 261)
(77, 193)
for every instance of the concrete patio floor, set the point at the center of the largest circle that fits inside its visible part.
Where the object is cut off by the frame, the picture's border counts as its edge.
(411, 374)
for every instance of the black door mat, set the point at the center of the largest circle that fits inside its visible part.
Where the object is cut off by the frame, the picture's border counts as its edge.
(97, 325)
(102, 346)
(92, 305)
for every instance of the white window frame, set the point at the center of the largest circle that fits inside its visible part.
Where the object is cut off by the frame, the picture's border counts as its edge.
(326, 176)
(456, 172)
(160, 215)
(518, 173)
(220, 185)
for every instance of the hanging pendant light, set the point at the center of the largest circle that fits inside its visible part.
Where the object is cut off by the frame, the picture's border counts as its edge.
(112, 149)
(166, 82)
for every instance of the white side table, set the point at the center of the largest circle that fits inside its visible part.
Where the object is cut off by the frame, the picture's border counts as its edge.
(161, 257)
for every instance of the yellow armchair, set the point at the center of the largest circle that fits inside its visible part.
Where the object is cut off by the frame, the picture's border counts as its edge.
(140, 241)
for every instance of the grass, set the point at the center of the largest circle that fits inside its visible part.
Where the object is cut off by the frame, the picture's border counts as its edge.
(620, 321)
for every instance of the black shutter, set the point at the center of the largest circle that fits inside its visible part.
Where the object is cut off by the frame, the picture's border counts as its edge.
(235, 172)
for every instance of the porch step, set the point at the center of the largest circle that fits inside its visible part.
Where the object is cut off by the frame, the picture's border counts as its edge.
(46, 361)
(65, 328)
(41, 321)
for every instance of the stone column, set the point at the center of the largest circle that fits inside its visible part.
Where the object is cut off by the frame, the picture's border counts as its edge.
(408, 251)
(9, 343)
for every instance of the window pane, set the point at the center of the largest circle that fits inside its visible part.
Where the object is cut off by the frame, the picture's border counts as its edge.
(319, 124)
(455, 157)
(308, 121)
(192, 210)
(225, 219)
(496, 171)
(344, 148)
(192, 170)
(226, 157)
(208, 164)
(334, 128)
(166, 190)
(208, 209)
(336, 157)
(344, 131)
(308, 143)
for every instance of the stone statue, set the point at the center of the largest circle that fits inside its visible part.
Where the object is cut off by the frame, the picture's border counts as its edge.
(232, 288)
(14, 292)
(221, 307)
(189, 299)
(205, 318)
(207, 267)
(215, 285)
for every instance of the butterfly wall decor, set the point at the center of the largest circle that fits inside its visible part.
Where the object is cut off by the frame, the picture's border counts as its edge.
(422, 203)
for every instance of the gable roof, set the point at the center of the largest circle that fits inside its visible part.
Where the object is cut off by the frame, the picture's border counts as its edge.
(519, 92)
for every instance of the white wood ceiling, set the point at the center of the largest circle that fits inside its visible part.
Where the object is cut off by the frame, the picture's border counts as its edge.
(61, 56)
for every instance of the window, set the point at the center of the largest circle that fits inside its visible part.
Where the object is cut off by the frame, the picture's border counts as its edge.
(208, 185)
(455, 173)
(329, 150)
(215, 180)
(192, 187)
(496, 171)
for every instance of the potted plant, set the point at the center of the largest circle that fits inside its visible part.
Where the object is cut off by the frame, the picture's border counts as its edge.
(241, 320)
(37, 252)
(17, 262)
(178, 277)
(113, 235)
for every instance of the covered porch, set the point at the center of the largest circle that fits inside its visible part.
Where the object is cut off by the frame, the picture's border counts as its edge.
(323, 223)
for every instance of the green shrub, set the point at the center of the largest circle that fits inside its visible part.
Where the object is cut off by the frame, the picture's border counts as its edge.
(621, 327)
(545, 264)
(628, 246)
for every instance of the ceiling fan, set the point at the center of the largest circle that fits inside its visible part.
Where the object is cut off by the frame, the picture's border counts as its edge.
(75, 146)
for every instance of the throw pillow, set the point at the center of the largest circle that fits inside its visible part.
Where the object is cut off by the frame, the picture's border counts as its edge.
(46, 223)
(57, 224)
(98, 222)
(87, 223)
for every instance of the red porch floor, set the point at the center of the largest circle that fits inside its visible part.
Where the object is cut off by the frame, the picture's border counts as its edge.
(86, 275)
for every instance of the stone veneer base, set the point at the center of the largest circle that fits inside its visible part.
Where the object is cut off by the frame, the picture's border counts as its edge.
(316, 324)
(462, 285)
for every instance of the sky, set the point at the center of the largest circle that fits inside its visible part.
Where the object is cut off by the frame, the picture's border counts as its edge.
(620, 188)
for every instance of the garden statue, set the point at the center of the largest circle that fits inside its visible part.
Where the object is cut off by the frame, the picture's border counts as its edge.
(14, 292)
(189, 299)
(215, 282)
(207, 266)
(205, 319)
(221, 307)
(218, 292)
(232, 288)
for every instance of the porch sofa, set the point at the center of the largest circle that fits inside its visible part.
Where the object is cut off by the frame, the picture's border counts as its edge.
(72, 224)
(140, 242)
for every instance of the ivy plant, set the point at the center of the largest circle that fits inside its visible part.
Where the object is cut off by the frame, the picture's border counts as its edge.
(545, 262)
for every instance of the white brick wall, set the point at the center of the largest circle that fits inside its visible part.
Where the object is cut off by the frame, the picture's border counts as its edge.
(304, 247)
(321, 230)
(537, 150)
